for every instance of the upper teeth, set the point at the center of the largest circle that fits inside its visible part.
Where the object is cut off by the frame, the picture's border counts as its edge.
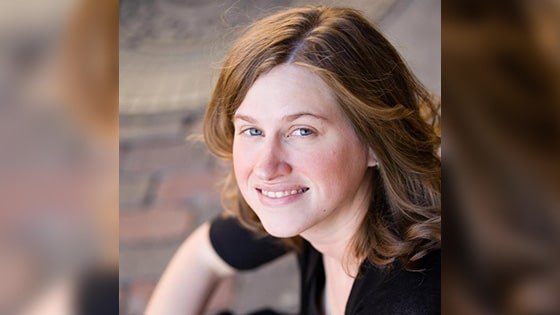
(280, 194)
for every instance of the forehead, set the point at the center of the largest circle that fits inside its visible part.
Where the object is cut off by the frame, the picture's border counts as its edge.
(288, 88)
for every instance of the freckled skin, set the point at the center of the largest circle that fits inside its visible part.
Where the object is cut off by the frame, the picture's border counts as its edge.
(323, 154)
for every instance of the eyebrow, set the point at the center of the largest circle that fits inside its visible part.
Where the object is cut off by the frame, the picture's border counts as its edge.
(290, 118)
(301, 114)
(244, 117)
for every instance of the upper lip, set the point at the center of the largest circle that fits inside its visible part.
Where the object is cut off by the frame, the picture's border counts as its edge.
(282, 193)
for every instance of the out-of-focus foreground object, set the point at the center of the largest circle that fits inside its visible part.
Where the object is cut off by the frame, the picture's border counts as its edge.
(501, 91)
(59, 157)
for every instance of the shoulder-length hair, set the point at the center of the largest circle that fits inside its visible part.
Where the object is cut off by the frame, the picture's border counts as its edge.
(386, 104)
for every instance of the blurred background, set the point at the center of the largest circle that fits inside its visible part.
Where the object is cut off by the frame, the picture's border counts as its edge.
(58, 157)
(501, 154)
(170, 55)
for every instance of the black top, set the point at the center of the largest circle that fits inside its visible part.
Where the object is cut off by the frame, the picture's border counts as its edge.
(97, 292)
(375, 291)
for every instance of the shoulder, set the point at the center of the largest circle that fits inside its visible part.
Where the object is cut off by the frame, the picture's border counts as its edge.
(240, 247)
(399, 291)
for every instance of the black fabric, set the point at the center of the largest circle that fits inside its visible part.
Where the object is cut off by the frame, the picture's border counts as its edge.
(241, 248)
(259, 312)
(375, 291)
(98, 293)
(398, 291)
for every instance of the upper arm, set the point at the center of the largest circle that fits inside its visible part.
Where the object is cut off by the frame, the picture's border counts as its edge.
(190, 277)
(213, 251)
(208, 254)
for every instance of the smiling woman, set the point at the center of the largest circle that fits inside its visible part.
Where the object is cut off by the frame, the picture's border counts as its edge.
(333, 158)
(305, 171)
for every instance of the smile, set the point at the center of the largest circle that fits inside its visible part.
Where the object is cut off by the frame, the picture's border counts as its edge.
(281, 194)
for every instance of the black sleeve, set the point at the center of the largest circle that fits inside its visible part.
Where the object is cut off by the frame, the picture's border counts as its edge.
(241, 248)
(97, 292)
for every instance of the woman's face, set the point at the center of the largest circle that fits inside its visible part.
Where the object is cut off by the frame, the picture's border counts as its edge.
(297, 160)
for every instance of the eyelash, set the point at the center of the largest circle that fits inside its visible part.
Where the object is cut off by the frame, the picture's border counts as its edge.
(249, 132)
(308, 130)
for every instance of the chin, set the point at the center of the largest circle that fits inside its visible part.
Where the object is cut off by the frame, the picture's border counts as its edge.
(279, 230)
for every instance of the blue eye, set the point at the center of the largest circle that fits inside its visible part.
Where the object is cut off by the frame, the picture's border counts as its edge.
(302, 132)
(253, 132)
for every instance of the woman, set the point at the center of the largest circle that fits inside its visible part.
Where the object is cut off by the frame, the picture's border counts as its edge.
(333, 158)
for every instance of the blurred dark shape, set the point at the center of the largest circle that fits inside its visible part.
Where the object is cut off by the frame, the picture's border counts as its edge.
(501, 151)
(98, 293)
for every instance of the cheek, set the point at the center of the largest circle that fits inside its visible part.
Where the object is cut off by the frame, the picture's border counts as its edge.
(334, 165)
(322, 166)
(342, 166)
(242, 162)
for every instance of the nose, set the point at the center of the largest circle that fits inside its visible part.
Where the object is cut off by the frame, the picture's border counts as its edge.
(271, 162)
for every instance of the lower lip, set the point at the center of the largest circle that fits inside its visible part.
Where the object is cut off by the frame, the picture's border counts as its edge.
(275, 202)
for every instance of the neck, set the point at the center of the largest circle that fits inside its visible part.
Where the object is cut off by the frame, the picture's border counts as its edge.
(333, 237)
(336, 244)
